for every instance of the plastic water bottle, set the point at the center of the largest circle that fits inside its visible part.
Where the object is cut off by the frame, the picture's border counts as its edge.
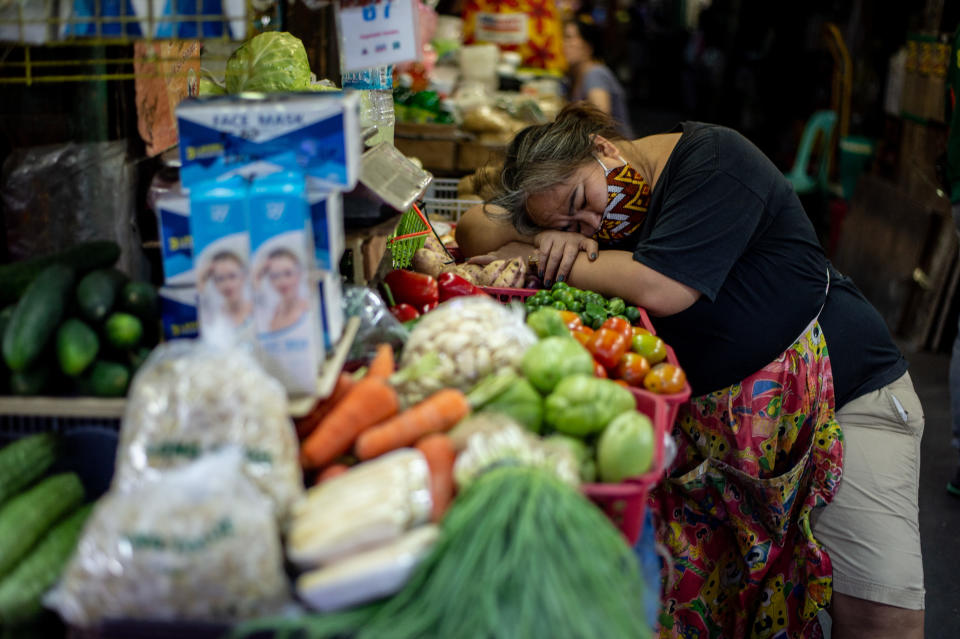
(376, 101)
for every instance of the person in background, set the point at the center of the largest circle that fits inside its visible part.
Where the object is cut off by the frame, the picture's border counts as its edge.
(590, 79)
(796, 481)
(953, 178)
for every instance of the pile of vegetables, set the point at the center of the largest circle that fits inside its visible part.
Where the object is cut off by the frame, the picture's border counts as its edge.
(434, 260)
(40, 522)
(74, 325)
(520, 554)
(629, 354)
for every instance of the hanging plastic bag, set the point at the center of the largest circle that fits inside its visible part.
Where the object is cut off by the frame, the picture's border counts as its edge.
(200, 543)
(192, 398)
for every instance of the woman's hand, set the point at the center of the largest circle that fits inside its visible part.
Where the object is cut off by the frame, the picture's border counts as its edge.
(558, 250)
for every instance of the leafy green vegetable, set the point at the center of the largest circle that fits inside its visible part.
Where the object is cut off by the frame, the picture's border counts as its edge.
(616, 306)
(269, 62)
(553, 358)
(521, 554)
(582, 404)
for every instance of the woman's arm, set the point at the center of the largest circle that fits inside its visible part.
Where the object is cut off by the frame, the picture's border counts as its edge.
(616, 273)
(477, 234)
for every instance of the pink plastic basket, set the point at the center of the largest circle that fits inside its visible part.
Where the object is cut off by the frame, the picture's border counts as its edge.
(625, 503)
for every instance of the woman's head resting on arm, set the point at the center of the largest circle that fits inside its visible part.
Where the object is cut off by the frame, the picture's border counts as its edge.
(552, 176)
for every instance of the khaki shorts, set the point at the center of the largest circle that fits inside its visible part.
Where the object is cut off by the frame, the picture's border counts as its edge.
(871, 528)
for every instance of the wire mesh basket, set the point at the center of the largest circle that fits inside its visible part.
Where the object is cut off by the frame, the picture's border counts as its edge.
(410, 235)
(440, 200)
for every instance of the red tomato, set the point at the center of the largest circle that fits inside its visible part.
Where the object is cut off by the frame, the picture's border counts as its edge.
(621, 326)
(622, 383)
(599, 370)
(665, 379)
(608, 346)
(633, 368)
(639, 330)
(571, 319)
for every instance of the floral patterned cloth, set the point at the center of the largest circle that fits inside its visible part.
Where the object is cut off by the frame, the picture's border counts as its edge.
(754, 460)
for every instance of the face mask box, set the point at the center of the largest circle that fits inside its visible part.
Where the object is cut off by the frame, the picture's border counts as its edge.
(331, 306)
(286, 309)
(326, 219)
(178, 312)
(221, 249)
(176, 242)
(314, 133)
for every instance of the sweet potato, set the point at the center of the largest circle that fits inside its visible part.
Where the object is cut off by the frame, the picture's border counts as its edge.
(491, 272)
(426, 261)
(512, 275)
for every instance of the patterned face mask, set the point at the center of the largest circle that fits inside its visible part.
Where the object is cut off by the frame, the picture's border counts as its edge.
(628, 197)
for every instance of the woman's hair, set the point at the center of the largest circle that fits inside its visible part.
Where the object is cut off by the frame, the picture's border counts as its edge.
(590, 32)
(227, 255)
(284, 252)
(544, 155)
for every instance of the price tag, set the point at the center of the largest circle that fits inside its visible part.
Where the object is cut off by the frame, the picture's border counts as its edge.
(376, 33)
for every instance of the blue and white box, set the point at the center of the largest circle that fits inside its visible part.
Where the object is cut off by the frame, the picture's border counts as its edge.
(178, 311)
(176, 241)
(286, 308)
(326, 218)
(219, 220)
(314, 133)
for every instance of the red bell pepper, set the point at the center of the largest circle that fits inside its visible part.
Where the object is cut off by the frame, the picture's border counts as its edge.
(412, 288)
(452, 285)
(426, 308)
(607, 346)
(404, 312)
(599, 370)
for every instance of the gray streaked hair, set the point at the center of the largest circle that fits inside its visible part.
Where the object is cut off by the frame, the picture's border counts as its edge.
(542, 156)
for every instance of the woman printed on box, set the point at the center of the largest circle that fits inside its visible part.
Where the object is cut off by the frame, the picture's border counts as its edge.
(228, 273)
(590, 79)
(285, 273)
(701, 229)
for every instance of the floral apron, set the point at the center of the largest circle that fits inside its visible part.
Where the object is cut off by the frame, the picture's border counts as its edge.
(753, 460)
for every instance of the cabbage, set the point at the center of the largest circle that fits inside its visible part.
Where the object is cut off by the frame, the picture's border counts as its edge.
(269, 62)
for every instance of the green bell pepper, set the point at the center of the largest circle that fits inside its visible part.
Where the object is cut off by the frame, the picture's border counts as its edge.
(522, 402)
(581, 405)
(553, 358)
(546, 322)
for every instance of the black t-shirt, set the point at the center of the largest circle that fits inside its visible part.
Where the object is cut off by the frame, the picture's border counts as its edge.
(726, 222)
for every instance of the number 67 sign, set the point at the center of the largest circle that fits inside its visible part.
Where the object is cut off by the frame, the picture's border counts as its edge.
(375, 33)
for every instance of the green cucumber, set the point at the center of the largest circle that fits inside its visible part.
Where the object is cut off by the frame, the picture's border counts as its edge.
(123, 330)
(77, 346)
(140, 299)
(37, 316)
(97, 293)
(29, 515)
(24, 461)
(32, 381)
(106, 379)
(16, 277)
(22, 590)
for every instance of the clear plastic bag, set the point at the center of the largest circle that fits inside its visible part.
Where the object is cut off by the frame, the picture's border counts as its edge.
(192, 398)
(473, 337)
(377, 324)
(200, 543)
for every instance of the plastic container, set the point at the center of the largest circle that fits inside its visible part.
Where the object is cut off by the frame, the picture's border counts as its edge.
(440, 200)
(626, 503)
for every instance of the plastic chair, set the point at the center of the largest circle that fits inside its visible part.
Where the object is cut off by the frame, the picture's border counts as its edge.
(820, 124)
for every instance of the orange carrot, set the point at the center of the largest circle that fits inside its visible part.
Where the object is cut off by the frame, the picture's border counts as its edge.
(435, 414)
(440, 454)
(330, 472)
(309, 422)
(369, 402)
(382, 364)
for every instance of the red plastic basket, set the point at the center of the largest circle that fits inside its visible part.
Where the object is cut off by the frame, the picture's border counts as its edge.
(625, 503)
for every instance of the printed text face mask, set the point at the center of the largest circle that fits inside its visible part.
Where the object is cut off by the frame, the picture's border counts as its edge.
(628, 197)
